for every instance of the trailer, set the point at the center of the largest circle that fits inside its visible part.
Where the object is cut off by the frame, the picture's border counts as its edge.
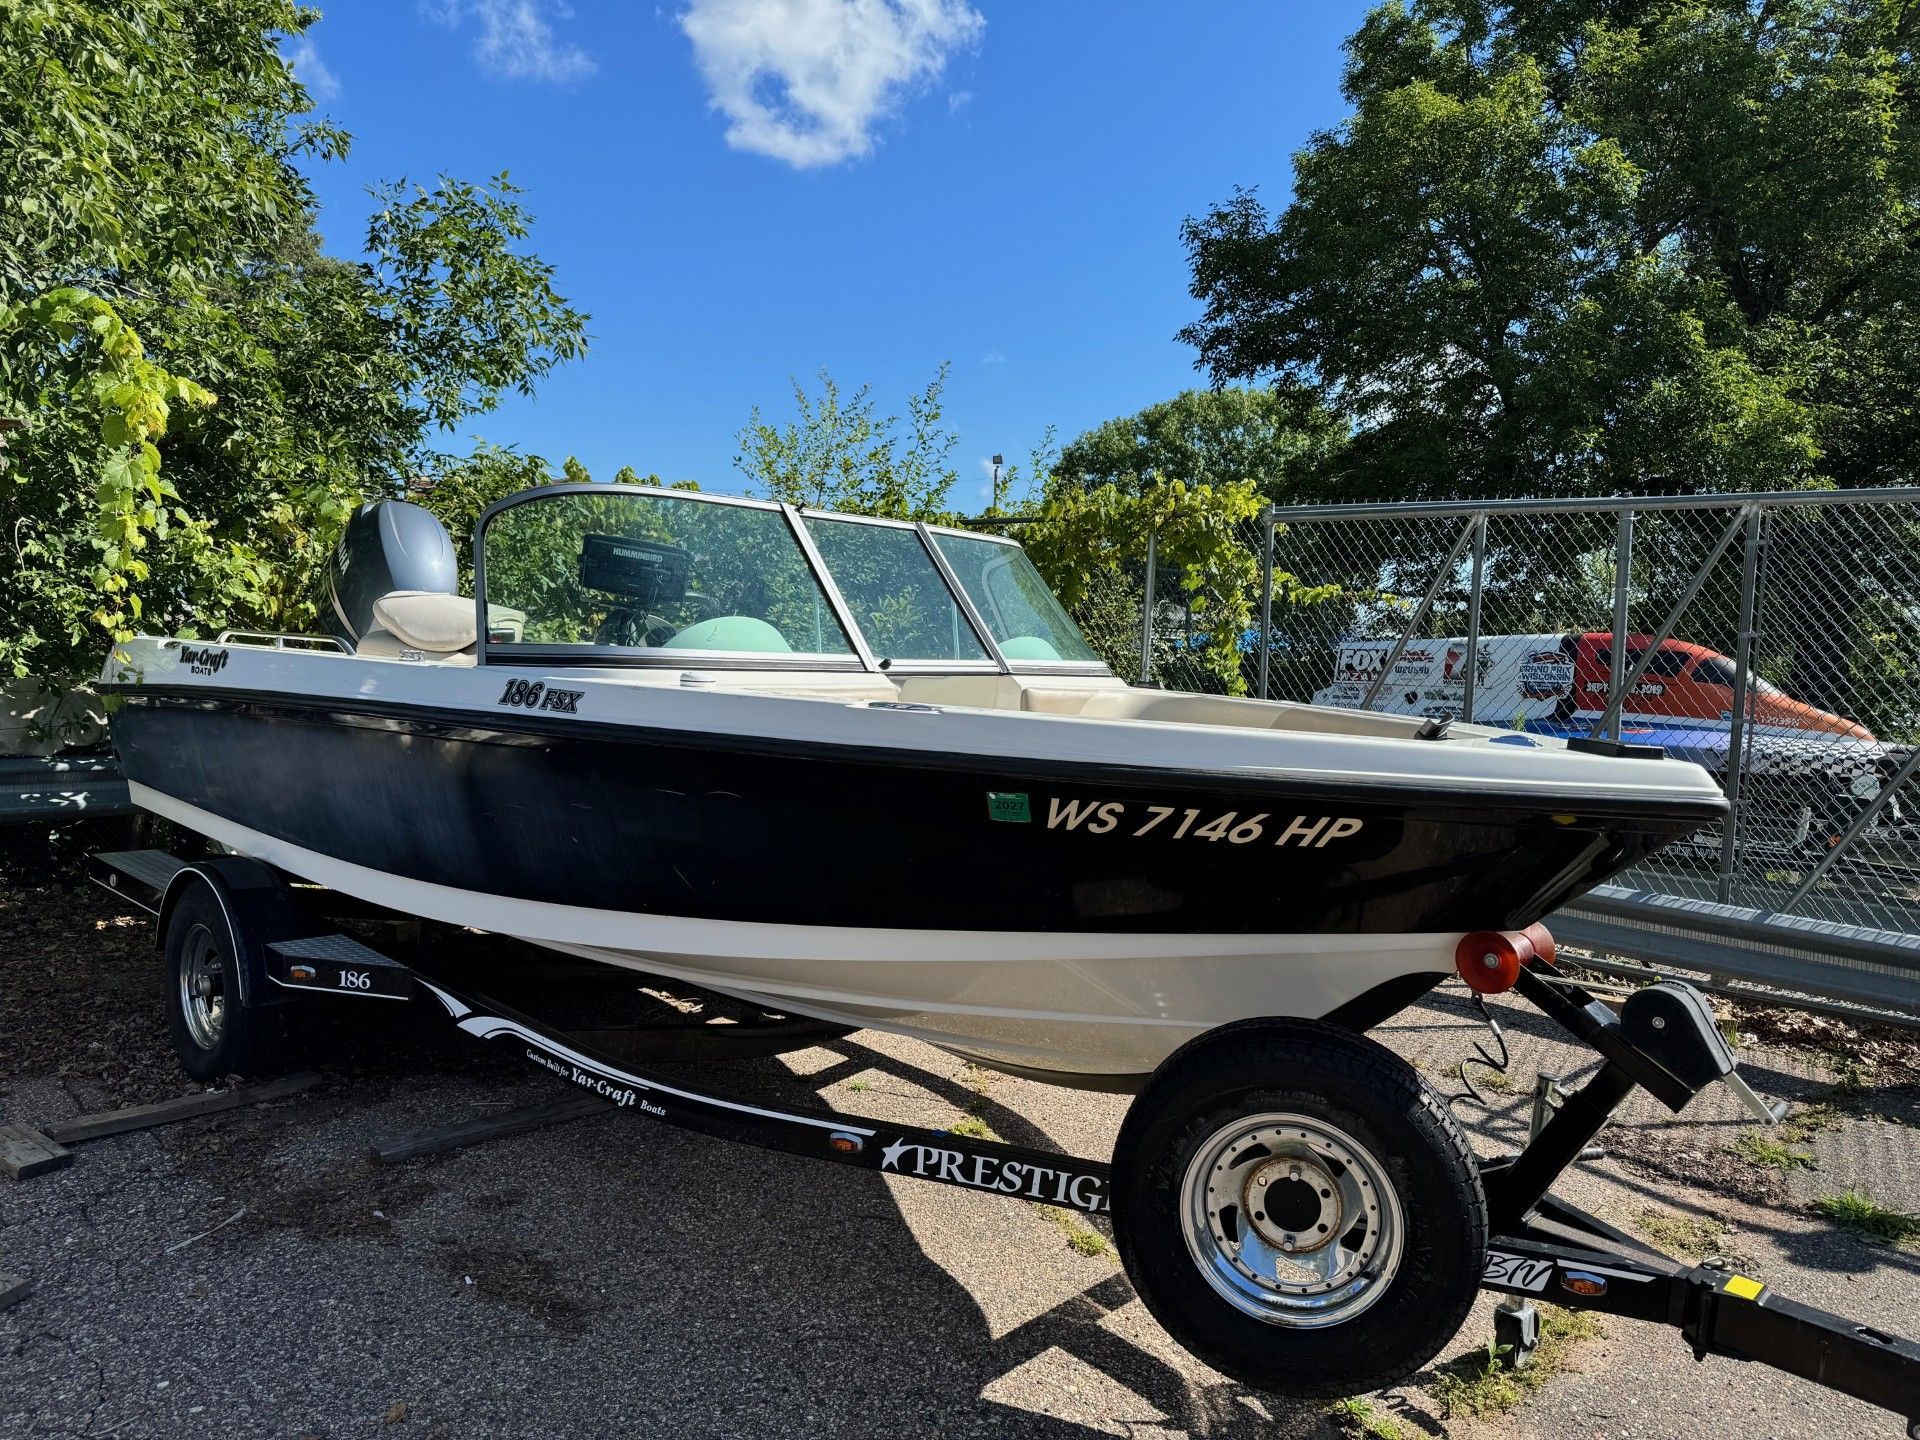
(245, 948)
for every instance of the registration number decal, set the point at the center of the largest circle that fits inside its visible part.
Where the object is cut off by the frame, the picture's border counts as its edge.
(1134, 821)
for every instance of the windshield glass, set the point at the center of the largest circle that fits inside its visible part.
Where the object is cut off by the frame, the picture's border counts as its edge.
(895, 591)
(633, 571)
(1027, 622)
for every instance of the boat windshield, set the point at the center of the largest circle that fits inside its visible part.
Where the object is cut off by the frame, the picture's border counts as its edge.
(636, 570)
(631, 575)
(895, 591)
(1027, 622)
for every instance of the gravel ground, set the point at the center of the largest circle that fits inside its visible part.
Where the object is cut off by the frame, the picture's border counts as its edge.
(253, 1274)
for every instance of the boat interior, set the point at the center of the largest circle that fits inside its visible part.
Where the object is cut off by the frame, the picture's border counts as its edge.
(641, 586)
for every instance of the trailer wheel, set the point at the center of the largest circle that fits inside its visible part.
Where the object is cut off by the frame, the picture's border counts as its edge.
(213, 1033)
(1298, 1209)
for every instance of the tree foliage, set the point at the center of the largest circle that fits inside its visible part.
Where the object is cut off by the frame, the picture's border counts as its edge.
(840, 453)
(1278, 439)
(77, 560)
(458, 489)
(1092, 543)
(151, 151)
(1595, 247)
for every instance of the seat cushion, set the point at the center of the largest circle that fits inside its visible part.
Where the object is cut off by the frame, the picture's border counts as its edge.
(730, 632)
(427, 620)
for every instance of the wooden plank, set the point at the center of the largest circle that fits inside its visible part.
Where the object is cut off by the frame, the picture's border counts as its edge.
(25, 1152)
(13, 1290)
(167, 1112)
(486, 1127)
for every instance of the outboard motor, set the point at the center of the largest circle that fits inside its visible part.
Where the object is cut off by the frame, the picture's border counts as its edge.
(388, 545)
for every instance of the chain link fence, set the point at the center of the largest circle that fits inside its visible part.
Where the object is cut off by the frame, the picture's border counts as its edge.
(1774, 640)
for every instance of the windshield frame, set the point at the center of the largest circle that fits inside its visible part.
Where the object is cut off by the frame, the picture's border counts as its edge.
(614, 657)
(863, 658)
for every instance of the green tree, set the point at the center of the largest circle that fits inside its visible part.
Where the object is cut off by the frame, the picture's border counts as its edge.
(1091, 546)
(81, 551)
(459, 488)
(841, 454)
(151, 153)
(1278, 439)
(1595, 247)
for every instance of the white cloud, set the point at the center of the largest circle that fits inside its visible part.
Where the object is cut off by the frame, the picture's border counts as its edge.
(309, 69)
(993, 357)
(806, 81)
(958, 101)
(516, 41)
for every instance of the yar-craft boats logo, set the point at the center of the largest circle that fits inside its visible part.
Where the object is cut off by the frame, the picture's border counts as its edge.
(977, 1171)
(203, 660)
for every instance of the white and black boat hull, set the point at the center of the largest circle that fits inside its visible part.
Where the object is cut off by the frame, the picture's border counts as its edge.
(1068, 913)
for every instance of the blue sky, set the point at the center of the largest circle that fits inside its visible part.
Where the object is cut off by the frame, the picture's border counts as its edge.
(740, 191)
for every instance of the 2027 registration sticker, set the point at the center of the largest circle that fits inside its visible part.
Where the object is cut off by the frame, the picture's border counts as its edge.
(1136, 821)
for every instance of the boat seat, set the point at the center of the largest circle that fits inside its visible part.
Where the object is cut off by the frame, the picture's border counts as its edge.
(432, 623)
(730, 632)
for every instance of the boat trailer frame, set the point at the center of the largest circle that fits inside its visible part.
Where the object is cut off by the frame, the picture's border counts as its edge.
(1540, 1247)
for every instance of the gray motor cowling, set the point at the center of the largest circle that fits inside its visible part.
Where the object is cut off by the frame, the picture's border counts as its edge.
(388, 545)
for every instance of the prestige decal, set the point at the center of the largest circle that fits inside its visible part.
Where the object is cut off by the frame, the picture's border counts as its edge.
(1517, 1272)
(535, 695)
(202, 660)
(1171, 822)
(989, 1172)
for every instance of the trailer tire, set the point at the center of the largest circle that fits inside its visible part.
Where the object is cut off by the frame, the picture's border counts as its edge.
(1334, 1121)
(212, 1032)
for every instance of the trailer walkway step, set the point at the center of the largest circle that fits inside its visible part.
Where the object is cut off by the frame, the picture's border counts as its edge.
(141, 875)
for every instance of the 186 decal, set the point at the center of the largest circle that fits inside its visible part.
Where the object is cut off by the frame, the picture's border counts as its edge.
(537, 695)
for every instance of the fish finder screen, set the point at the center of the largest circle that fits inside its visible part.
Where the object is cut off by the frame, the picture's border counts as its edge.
(646, 572)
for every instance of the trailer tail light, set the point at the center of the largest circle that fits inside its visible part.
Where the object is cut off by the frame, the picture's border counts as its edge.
(1490, 960)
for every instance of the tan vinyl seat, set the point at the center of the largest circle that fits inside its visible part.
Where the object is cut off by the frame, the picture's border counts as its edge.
(429, 624)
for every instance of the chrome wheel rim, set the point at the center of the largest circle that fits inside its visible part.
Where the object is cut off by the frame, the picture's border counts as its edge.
(203, 987)
(1291, 1220)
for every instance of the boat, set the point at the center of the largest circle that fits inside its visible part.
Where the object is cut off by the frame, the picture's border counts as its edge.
(863, 770)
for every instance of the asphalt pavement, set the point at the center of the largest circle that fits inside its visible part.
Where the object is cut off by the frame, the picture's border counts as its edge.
(255, 1274)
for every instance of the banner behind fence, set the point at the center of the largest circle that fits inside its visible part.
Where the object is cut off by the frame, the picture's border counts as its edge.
(1774, 639)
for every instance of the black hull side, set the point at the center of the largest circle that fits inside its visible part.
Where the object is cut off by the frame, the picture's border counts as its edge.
(721, 828)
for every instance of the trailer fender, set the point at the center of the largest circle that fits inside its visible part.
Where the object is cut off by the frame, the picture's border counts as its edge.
(259, 907)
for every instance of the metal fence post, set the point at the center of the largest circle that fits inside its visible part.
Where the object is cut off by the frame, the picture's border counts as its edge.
(1146, 608)
(1622, 593)
(1742, 688)
(1611, 720)
(1440, 577)
(1472, 657)
(1266, 601)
